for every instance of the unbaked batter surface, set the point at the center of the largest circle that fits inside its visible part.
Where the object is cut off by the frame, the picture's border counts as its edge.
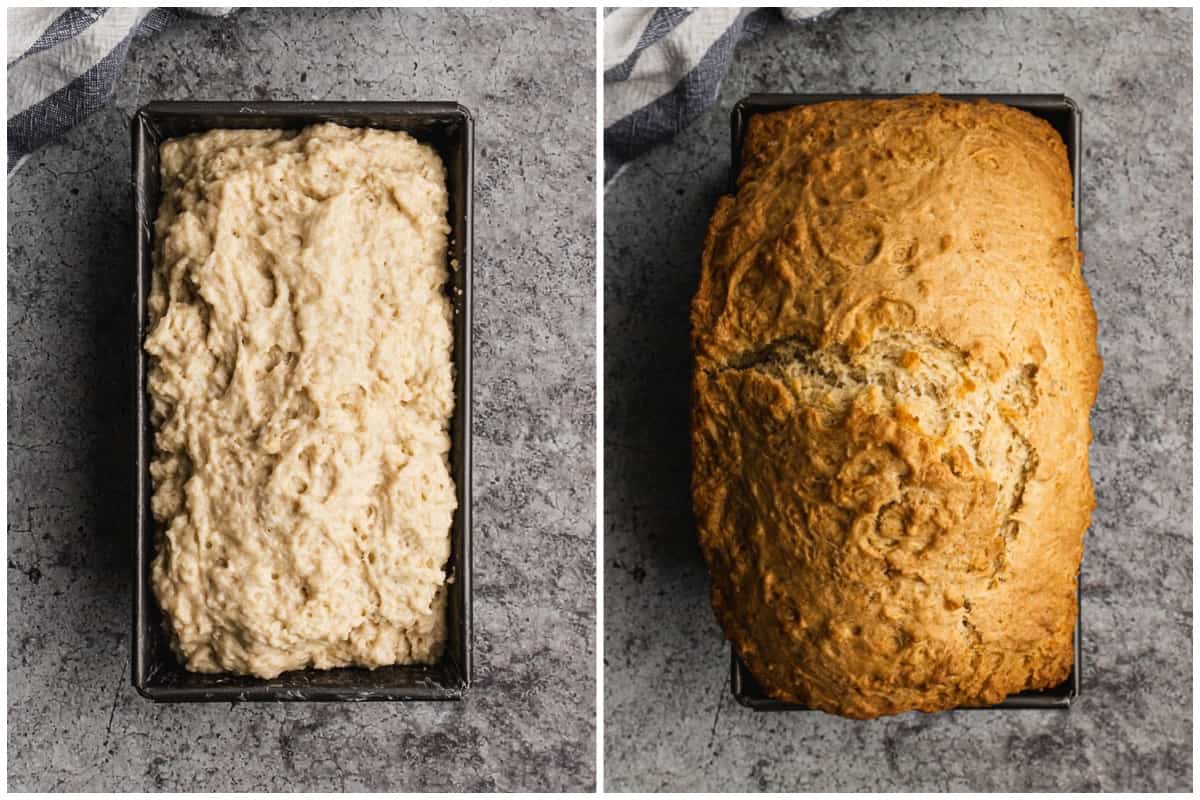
(301, 386)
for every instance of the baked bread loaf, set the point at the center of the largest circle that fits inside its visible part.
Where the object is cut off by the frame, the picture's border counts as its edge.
(895, 358)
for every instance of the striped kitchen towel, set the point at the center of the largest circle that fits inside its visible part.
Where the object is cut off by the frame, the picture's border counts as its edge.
(63, 62)
(664, 66)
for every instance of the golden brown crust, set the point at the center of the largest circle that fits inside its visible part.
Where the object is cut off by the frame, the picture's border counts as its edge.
(895, 357)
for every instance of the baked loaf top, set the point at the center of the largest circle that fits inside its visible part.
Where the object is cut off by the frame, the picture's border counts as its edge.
(895, 357)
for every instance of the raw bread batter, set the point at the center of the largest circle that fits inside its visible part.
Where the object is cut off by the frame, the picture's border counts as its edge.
(301, 388)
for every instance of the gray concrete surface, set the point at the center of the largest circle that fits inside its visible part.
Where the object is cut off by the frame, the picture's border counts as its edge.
(74, 722)
(670, 722)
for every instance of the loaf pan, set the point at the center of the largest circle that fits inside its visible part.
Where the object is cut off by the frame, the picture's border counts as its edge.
(157, 674)
(1064, 116)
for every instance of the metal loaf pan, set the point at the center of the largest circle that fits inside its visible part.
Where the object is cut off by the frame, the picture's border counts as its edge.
(157, 674)
(1064, 116)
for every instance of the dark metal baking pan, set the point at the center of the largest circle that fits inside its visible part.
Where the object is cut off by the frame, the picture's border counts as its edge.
(1064, 115)
(157, 674)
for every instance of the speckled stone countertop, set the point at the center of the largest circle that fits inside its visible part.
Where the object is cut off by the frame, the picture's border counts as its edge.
(74, 721)
(670, 721)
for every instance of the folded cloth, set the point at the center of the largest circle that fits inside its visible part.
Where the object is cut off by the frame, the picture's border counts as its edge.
(664, 66)
(63, 63)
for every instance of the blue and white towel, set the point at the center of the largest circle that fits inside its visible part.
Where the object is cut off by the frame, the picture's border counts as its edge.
(664, 66)
(62, 64)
